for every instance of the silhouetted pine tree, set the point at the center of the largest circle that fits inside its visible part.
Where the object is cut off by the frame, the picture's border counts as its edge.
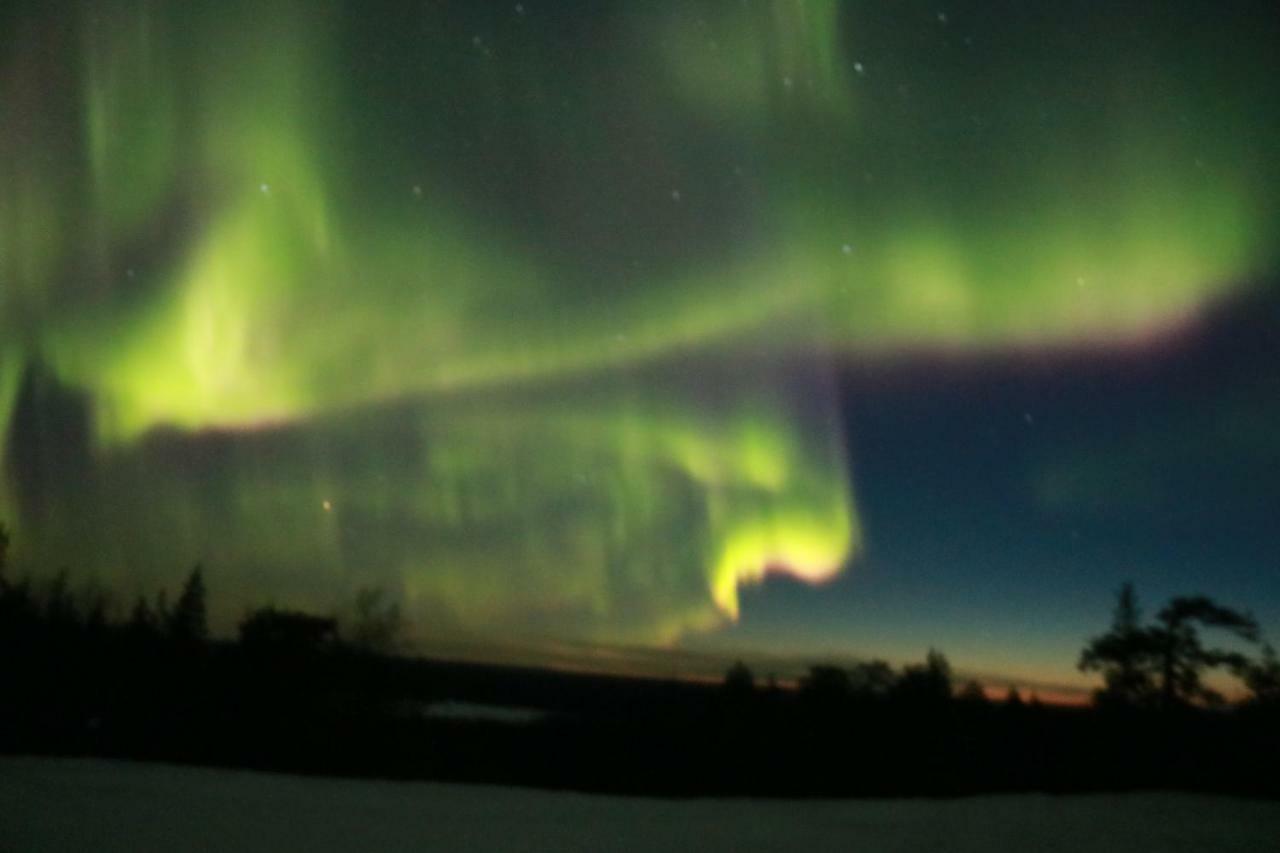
(1165, 663)
(1124, 655)
(1263, 679)
(1181, 657)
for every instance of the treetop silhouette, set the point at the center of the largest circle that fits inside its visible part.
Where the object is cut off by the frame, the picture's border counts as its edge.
(189, 621)
(1123, 655)
(1164, 664)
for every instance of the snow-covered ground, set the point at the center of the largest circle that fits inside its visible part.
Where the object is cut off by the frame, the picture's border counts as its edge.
(90, 805)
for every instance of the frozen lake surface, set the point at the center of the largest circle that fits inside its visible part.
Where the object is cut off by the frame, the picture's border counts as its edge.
(81, 805)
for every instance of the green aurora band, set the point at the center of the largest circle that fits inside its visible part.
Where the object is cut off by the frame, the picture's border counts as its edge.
(491, 307)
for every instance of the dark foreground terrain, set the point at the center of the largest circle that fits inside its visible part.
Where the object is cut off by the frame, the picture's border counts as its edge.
(333, 710)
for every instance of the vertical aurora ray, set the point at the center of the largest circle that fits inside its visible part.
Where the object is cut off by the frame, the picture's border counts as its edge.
(746, 65)
(130, 118)
(35, 205)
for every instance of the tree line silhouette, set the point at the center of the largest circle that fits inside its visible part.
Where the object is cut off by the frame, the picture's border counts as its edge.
(53, 609)
(312, 693)
(1160, 666)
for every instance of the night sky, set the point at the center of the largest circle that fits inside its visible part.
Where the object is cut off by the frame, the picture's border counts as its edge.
(641, 336)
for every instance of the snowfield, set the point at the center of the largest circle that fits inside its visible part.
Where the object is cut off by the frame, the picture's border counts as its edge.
(92, 805)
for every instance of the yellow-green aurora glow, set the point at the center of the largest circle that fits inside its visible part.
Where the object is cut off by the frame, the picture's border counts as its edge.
(506, 310)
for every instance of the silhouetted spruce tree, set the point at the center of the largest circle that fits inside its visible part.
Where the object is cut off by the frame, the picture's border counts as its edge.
(142, 620)
(19, 610)
(1181, 657)
(927, 684)
(739, 681)
(59, 607)
(97, 609)
(1124, 655)
(161, 610)
(188, 623)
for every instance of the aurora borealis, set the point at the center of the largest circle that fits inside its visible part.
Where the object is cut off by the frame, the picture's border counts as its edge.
(561, 322)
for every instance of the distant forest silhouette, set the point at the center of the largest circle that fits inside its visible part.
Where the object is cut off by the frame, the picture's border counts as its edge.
(303, 692)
